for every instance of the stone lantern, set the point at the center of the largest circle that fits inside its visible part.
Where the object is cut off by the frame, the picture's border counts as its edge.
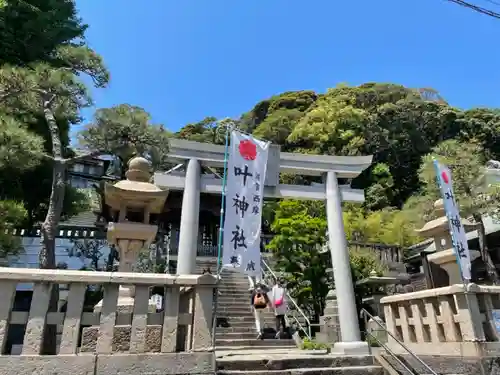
(439, 230)
(132, 201)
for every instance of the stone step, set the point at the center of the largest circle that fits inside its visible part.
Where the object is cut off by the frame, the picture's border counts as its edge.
(240, 326)
(242, 318)
(234, 296)
(231, 312)
(247, 323)
(237, 294)
(355, 370)
(245, 329)
(254, 342)
(268, 336)
(245, 349)
(235, 310)
(245, 317)
(249, 335)
(234, 289)
(294, 359)
(234, 302)
(226, 314)
(231, 281)
(228, 311)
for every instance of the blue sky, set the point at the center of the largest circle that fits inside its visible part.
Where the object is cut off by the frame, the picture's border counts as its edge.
(183, 60)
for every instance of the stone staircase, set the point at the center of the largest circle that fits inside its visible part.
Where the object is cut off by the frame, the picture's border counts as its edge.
(236, 329)
(239, 352)
(235, 318)
(294, 362)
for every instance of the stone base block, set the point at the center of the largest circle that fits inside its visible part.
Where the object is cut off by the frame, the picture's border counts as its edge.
(277, 362)
(54, 364)
(330, 329)
(121, 339)
(351, 348)
(198, 363)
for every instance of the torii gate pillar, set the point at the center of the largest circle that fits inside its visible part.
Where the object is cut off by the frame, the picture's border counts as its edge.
(348, 316)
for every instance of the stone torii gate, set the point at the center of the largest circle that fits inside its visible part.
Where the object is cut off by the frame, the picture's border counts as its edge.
(195, 155)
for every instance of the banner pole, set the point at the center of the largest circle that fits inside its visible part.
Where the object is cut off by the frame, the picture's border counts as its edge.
(221, 234)
(454, 241)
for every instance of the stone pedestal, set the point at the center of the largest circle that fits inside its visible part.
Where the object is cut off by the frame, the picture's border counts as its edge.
(330, 325)
(373, 326)
(374, 302)
(129, 238)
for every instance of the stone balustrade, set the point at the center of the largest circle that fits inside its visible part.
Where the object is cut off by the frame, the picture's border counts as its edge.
(453, 320)
(113, 340)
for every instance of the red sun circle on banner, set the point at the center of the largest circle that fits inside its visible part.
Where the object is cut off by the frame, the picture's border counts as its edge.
(248, 150)
(444, 176)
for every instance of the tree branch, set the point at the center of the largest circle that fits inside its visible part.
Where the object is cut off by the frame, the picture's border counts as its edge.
(47, 156)
(7, 93)
(89, 155)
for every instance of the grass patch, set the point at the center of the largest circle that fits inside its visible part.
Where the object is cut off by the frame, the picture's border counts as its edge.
(308, 344)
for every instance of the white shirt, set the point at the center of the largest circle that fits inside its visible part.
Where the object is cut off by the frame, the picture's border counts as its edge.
(276, 293)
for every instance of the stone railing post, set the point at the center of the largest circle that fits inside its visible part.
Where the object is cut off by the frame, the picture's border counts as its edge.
(471, 325)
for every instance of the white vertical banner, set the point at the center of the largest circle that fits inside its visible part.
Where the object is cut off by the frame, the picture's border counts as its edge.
(458, 235)
(246, 172)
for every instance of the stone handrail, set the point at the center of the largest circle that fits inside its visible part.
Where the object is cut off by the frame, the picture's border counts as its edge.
(132, 341)
(452, 320)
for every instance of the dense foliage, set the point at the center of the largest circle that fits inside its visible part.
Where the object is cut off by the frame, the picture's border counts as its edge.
(396, 124)
(401, 127)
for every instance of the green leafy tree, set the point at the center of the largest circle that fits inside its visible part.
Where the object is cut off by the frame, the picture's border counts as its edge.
(467, 164)
(392, 122)
(11, 214)
(49, 93)
(364, 263)
(125, 131)
(19, 148)
(396, 124)
(290, 100)
(208, 130)
(388, 226)
(32, 30)
(298, 247)
(277, 127)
